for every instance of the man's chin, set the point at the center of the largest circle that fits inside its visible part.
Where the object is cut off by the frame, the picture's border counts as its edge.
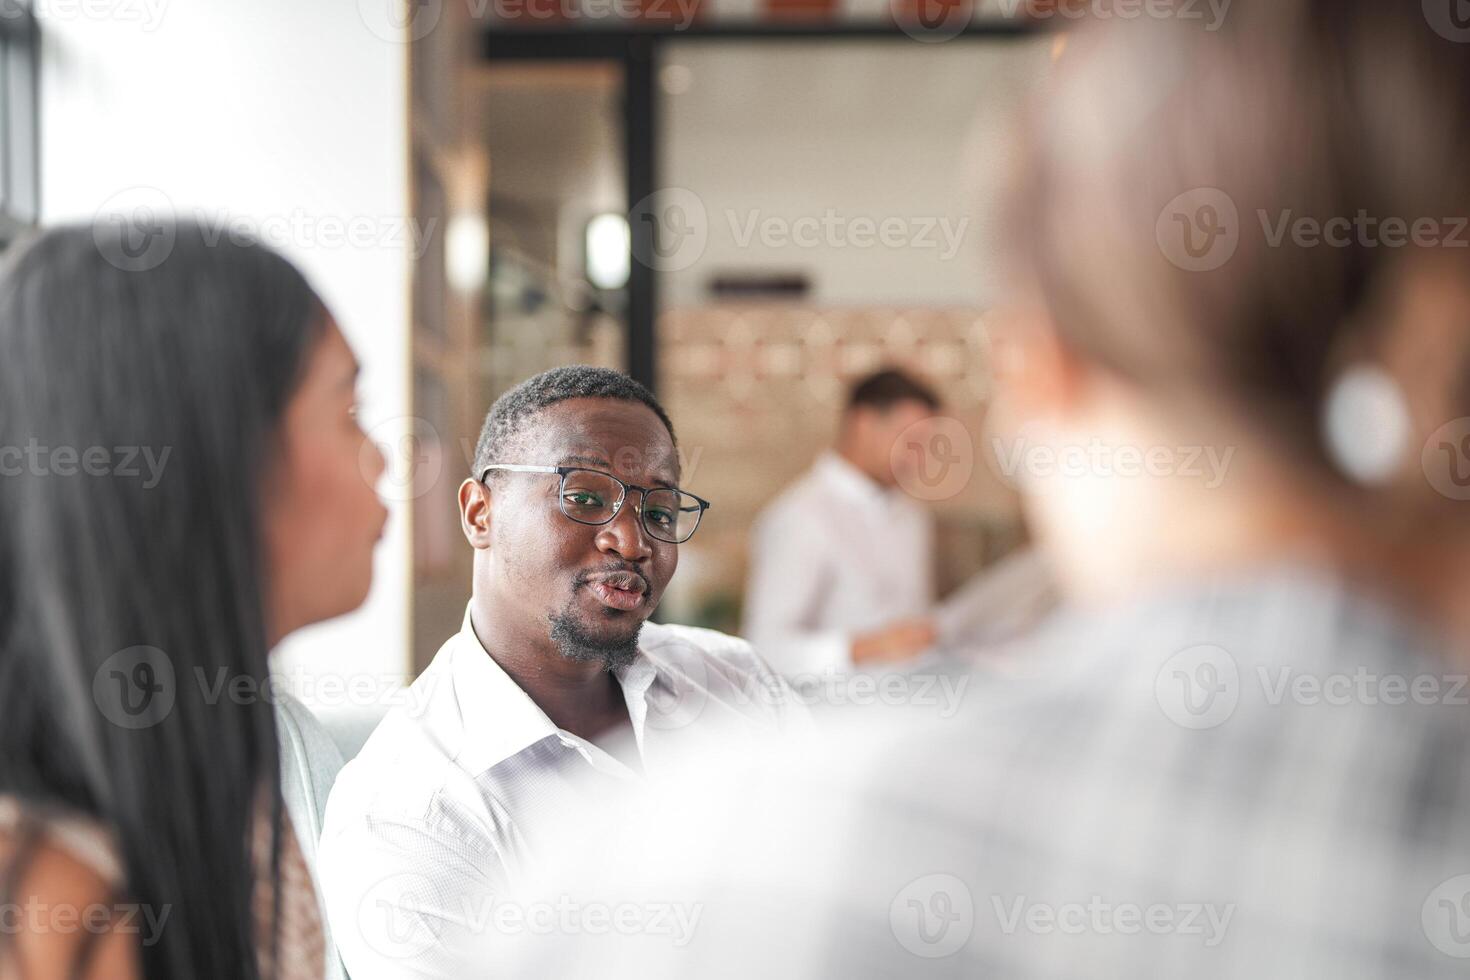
(611, 641)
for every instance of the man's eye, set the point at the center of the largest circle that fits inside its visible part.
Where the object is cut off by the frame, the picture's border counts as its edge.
(584, 499)
(661, 517)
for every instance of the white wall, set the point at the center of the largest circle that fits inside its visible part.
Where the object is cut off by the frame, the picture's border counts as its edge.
(909, 133)
(285, 116)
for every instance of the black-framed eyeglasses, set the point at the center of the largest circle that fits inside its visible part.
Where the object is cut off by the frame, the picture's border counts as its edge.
(594, 497)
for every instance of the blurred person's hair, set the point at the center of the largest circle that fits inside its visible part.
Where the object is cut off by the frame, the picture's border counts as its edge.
(883, 389)
(1319, 108)
(507, 418)
(198, 356)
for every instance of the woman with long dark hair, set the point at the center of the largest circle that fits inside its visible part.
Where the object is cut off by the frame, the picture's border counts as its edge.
(183, 483)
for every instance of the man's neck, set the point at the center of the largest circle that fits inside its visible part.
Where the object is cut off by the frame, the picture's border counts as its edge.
(1227, 506)
(852, 458)
(580, 697)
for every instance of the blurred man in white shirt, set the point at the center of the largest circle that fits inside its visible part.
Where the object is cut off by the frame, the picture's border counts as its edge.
(842, 562)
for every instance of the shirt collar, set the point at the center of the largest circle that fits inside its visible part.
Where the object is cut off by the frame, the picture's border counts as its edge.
(500, 719)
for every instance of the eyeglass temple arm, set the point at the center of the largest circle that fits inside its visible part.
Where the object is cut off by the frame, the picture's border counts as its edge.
(518, 468)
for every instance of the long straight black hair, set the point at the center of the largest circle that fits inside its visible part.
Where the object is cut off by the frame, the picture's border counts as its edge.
(108, 355)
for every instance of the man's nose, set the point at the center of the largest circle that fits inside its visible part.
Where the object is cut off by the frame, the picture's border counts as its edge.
(625, 535)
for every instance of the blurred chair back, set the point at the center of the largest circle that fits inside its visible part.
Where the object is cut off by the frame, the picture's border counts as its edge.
(313, 750)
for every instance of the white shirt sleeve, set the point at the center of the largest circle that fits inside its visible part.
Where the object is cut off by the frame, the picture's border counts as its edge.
(407, 900)
(928, 534)
(787, 576)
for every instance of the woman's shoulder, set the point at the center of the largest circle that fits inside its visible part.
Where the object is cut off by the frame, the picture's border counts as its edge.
(82, 838)
(60, 888)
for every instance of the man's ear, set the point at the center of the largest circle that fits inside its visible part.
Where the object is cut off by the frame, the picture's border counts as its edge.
(474, 513)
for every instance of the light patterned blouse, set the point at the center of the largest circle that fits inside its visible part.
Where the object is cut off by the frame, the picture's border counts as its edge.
(302, 940)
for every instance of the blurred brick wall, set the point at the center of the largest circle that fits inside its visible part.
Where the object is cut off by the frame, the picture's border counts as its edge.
(755, 391)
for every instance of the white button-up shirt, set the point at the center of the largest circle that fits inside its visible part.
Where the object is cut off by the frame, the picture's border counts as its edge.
(431, 827)
(833, 556)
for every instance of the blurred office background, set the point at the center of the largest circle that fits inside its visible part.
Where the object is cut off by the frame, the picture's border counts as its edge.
(744, 203)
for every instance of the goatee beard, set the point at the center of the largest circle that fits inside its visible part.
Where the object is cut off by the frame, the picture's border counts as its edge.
(575, 642)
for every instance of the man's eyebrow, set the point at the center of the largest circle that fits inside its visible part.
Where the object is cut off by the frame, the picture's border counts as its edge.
(586, 460)
(598, 461)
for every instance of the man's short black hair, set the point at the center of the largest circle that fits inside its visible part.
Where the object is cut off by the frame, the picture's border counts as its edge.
(508, 416)
(887, 388)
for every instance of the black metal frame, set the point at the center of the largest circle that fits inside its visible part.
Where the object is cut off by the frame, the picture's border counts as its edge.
(564, 471)
(637, 48)
(20, 194)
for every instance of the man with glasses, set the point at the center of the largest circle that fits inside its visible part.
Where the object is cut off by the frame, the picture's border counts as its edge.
(555, 695)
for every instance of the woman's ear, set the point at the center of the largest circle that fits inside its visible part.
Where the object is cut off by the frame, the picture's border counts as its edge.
(1424, 336)
(474, 513)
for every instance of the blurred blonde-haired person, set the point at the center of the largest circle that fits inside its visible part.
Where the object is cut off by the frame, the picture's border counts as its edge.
(1245, 750)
